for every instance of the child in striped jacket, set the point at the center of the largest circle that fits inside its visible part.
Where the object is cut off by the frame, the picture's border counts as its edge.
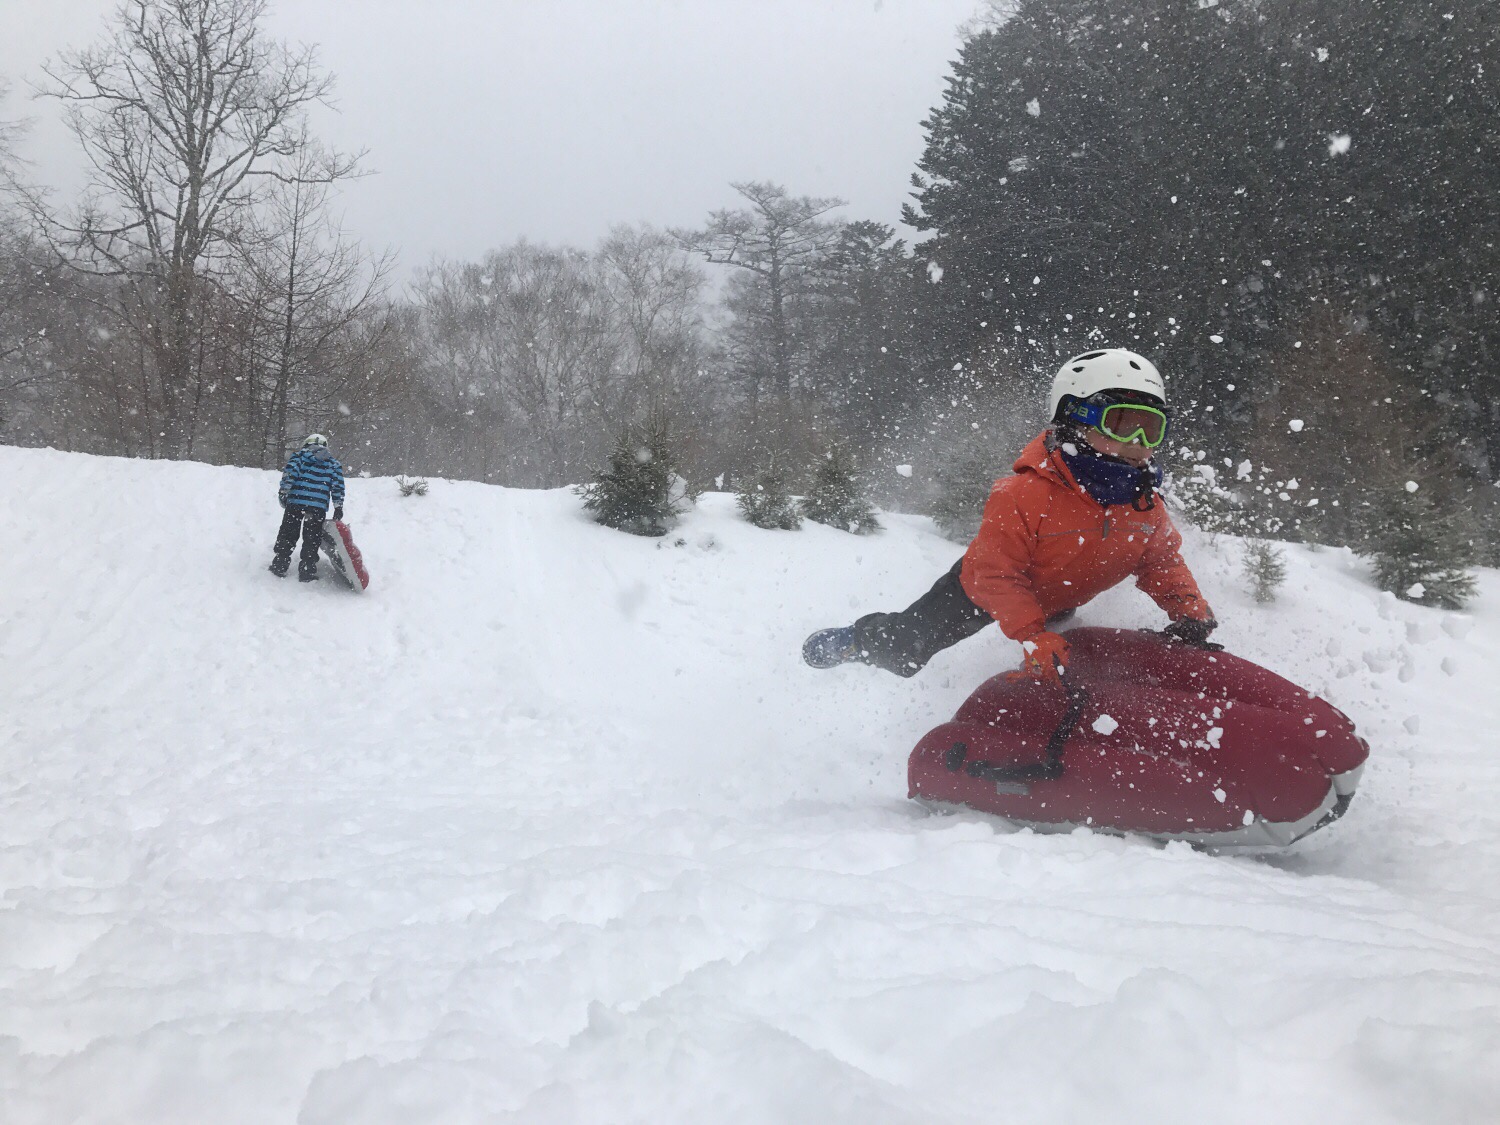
(311, 480)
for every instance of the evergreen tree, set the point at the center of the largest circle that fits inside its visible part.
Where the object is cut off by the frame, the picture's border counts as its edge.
(1265, 566)
(861, 332)
(835, 497)
(1420, 555)
(964, 479)
(1046, 119)
(765, 499)
(641, 490)
(775, 241)
(1216, 184)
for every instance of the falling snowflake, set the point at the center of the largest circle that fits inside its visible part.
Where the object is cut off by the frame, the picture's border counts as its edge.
(1338, 143)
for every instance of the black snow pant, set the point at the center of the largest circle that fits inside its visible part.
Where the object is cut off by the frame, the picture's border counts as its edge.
(309, 521)
(904, 642)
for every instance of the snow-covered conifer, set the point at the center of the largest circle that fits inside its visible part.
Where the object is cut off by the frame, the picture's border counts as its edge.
(835, 497)
(641, 490)
(1265, 566)
(964, 479)
(1418, 554)
(765, 499)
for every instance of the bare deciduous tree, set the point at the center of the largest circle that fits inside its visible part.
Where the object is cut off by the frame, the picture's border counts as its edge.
(186, 115)
(655, 294)
(309, 284)
(523, 345)
(25, 303)
(563, 378)
(536, 356)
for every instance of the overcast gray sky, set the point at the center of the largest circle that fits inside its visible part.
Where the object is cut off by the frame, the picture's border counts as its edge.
(487, 120)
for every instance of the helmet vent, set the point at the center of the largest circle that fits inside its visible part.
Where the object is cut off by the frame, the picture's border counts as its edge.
(1091, 355)
(1134, 364)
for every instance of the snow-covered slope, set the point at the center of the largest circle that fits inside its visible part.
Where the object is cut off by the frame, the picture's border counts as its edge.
(554, 826)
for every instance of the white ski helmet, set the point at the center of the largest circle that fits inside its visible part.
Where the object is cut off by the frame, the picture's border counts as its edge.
(1109, 369)
(315, 439)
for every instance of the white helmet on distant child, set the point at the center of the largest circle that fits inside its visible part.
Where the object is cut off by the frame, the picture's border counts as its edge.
(1109, 369)
(315, 439)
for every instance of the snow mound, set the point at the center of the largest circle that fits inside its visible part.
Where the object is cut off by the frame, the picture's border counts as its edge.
(554, 826)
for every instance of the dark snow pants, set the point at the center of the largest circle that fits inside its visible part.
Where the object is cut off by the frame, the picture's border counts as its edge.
(904, 642)
(309, 521)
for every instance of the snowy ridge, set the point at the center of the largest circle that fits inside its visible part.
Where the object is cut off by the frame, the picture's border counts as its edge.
(575, 837)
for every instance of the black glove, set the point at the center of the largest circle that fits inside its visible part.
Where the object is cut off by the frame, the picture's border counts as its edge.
(338, 513)
(1191, 631)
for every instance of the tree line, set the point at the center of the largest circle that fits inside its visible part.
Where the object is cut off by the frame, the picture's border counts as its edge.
(1285, 203)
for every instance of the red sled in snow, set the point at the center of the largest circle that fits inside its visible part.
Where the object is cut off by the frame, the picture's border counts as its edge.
(348, 564)
(1150, 737)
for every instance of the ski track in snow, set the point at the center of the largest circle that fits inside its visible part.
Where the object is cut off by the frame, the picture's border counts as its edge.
(552, 825)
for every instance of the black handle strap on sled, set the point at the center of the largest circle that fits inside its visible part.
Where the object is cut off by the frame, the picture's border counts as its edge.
(1048, 770)
(1173, 639)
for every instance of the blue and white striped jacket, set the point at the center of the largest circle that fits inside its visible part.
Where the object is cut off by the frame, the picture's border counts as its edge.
(311, 477)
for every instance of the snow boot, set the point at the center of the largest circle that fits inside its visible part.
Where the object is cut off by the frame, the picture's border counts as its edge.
(279, 567)
(828, 648)
(307, 575)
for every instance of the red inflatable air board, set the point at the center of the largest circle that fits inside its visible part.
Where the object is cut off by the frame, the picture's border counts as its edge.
(1151, 737)
(348, 563)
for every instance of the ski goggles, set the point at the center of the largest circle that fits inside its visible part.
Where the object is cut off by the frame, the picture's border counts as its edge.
(1123, 421)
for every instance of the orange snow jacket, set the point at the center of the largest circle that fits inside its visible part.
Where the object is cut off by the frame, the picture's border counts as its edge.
(1046, 545)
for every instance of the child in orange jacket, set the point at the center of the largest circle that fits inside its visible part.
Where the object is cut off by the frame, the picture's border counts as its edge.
(1080, 514)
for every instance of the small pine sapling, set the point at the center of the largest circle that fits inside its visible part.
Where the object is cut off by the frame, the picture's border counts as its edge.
(835, 497)
(1265, 566)
(640, 491)
(765, 499)
(412, 486)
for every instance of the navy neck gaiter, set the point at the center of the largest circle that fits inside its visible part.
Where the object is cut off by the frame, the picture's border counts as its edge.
(1108, 480)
